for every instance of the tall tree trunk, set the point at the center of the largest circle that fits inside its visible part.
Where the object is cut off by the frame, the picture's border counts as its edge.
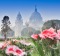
(5, 36)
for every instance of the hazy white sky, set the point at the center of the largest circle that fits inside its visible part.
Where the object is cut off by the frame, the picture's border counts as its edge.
(49, 9)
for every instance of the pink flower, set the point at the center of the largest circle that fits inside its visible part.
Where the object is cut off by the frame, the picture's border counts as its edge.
(9, 42)
(42, 36)
(12, 49)
(34, 36)
(3, 45)
(48, 33)
(19, 52)
(58, 34)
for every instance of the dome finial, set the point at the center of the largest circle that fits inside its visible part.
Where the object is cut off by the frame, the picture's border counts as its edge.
(35, 8)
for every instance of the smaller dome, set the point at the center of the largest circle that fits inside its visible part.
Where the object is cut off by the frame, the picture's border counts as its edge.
(28, 31)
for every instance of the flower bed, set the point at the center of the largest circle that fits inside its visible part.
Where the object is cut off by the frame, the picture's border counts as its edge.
(15, 48)
(47, 43)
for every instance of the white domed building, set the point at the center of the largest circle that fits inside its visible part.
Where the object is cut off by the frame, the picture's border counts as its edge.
(18, 25)
(35, 20)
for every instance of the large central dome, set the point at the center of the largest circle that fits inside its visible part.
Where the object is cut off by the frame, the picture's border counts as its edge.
(35, 17)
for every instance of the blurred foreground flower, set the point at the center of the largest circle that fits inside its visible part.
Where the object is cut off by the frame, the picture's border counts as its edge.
(4, 44)
(48, 33)
(48, 42)
(12, 49)
(34, 36)
(58, 34)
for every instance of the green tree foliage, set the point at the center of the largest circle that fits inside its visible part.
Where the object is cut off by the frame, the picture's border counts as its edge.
(5, 26)
(51, 23)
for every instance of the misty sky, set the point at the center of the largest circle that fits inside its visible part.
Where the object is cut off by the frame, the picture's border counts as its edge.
(49, 9)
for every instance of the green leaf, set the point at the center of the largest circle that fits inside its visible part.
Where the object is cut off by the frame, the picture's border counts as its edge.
(39, 47)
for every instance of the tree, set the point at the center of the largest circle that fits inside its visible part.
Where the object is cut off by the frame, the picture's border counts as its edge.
(51, 23)
(5, 26)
